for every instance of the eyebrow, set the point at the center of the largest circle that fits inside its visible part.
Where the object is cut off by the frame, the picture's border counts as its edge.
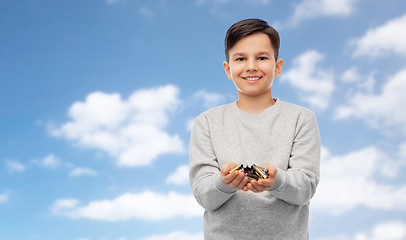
(259, 53)
(265, 53)
(238, 54)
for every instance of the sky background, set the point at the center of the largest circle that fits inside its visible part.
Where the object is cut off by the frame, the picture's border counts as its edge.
(97, 99)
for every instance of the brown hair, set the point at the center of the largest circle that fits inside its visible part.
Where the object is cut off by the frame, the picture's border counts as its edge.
(244, 28)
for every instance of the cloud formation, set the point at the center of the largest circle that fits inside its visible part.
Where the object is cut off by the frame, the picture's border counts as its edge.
(351, 75)
(394, 230)
(131, 131)
(180, 176)
(383, 40)
(50, 161)
(210, 99)
(315, 85)
(382, 110)
(15, 166)
(201, 2)
(350, 180)
(312, 9)
(82, 171)
(146, 206)
(176, 236)
(4, 197)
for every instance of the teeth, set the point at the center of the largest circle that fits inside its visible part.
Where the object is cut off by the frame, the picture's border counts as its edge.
(252, 78)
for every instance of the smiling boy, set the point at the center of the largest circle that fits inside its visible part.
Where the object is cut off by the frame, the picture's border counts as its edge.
(255, 129)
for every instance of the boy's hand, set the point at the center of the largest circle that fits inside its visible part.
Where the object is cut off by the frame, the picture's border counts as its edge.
(264, 184)
(235, 180)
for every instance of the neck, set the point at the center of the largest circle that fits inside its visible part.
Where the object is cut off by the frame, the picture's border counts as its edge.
(254, 104)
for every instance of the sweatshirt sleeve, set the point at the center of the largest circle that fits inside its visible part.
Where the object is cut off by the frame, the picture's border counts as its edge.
(298, 183)
(204, 169)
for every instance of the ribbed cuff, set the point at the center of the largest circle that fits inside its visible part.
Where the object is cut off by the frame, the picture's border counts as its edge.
(280, 179)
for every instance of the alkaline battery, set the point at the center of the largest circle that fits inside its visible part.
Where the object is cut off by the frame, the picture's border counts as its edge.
(237, 168)
(264, 170)
(252, 173)
(251, 176)
(259, 172)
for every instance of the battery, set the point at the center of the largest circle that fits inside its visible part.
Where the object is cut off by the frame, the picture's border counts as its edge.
(259, 172)
(237, 168)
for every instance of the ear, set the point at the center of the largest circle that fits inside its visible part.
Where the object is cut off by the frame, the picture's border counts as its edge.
(227, 69)
(278, 67)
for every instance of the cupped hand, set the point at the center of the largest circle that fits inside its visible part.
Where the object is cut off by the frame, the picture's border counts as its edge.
(235, 180)
(264, 184)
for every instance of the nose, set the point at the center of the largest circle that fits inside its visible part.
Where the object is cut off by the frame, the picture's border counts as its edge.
(251, 65)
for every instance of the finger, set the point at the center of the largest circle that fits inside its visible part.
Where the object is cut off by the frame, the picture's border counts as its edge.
(265, 182)
(225, 170)
(254, 189)
(227, 167)
(227, 179)
(268, 183)
(230, 166)
(272, 172)
(237, 180)
(242, 183)
(257, 186)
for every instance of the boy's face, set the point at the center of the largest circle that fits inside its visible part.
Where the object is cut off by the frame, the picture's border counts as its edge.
(252, 65)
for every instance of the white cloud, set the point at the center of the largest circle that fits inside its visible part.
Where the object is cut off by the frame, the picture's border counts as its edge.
(315, 85)
(349, 181)
(50, 161)
(394, 230)
(180, 176)
(351, 75)
(381, 111)
(312, 9)
(390, 230)
(338, 237)
(15, 166)
(210, 100)
(64, 206)
(385, 39)
(82, 171)
(4, 197)
(132, 131)
(201, 2)
(147, 206)
(176, 236)
(402, 151)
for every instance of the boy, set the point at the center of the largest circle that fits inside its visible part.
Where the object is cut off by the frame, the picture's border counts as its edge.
(256, 129)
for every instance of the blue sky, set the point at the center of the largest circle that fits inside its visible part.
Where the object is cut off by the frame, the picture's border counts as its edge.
(97, 99)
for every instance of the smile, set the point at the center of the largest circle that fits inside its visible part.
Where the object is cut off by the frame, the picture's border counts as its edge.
(252, 78)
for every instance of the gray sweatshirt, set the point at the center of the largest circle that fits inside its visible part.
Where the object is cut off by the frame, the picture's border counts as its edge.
(284, 135)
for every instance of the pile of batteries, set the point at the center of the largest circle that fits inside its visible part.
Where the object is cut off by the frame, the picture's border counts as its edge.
(252, 173)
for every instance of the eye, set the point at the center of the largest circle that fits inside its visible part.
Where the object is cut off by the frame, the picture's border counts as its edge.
(240, 59)
(262, 58)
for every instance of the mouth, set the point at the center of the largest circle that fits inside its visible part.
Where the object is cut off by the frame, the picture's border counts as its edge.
(252, 79)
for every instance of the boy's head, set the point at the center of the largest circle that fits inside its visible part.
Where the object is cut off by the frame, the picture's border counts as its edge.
(248, 27)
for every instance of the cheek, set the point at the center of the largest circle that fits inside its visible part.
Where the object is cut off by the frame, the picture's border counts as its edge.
(272, 72)
(231, 73)
(236, 70)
